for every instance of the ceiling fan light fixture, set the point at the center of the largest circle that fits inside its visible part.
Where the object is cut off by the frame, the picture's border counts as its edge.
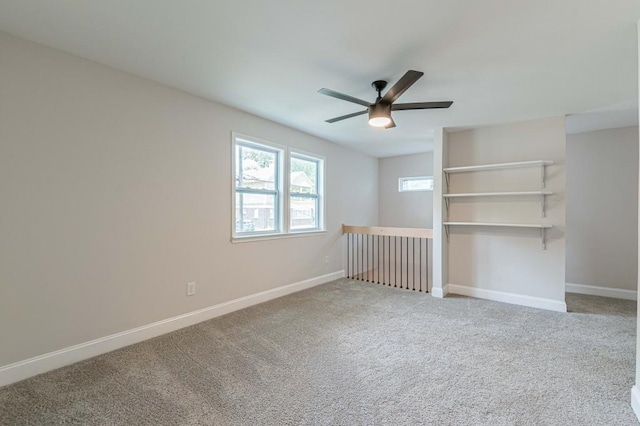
(379, 121)
(379, 115)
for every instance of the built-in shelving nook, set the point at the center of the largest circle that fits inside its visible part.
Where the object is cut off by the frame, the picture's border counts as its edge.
(542, 193)
(498, 197)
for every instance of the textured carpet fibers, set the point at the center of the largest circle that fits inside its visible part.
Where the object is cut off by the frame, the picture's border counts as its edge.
(350, 353)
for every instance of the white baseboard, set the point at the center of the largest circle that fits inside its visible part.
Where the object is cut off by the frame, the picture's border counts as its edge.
(40, 364)
(440, 292)
(516, 299)
(635, 401)
(616, 293)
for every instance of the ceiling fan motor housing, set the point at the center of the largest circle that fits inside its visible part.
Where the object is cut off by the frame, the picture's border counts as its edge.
(380, 111)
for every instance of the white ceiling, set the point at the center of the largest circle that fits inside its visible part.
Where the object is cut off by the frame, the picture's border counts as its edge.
(498, 60)
(624, 114)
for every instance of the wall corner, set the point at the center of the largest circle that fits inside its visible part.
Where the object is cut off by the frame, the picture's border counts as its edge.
(635, 393)
(440, 243)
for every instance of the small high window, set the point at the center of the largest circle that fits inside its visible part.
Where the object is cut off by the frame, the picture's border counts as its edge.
(417, 183)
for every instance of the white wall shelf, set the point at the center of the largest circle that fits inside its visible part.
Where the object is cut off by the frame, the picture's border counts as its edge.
(541, 193)
(486, 167)
(541, 227)
(504, 225)
(463, 169)
(497, 194)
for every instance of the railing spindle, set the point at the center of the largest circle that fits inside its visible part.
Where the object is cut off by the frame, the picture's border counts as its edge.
(369, 271)
(401, 256)
(372, 263)
(383, 260)
(421, 264)
(362, 258)
(369, 237)
(348, 255)
(389, 260)
(395, 261)
(378, 239)
(407, 287)
(413, 266)
(359, 258)
(353, 254)
(426, 290)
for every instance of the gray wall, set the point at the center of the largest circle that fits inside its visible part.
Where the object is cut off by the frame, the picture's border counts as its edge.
(602, 208)
(116, 192)
(404, 209)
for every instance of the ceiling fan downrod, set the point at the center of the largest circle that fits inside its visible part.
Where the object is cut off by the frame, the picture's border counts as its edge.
(379, 86)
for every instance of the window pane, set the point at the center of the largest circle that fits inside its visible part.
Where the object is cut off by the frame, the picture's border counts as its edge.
(303, 213)
(255, 168)
(258, 212)
(304, 176)
(416, 184)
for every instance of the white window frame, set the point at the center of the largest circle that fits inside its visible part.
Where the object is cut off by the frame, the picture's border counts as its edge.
(401, 180)
(283, 189)
(280, 152)
(296, 153)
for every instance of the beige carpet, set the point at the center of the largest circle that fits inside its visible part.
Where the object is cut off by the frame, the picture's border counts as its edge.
(351, 353)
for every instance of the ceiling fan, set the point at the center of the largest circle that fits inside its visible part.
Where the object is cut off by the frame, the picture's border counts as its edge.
(380, 110)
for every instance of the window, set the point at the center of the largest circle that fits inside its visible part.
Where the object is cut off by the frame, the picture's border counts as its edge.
(418, 183)
(257, 188)
(304, 191)
(276, 191)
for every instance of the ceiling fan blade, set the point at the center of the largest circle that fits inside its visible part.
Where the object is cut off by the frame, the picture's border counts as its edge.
(390, 125)
(421, 105)
(403, 84)
(344, 97)
(344, 117)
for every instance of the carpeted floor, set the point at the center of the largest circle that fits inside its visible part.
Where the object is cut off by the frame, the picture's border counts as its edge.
(350, 353)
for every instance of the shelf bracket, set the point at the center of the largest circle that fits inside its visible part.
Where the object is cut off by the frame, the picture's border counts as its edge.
(543, 239)
(542, 205)
(446, 203)
(446, 230)
(446, 178)
(543, 175)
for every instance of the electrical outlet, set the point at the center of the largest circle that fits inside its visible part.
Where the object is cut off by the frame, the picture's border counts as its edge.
(326, 260)
(191, 288)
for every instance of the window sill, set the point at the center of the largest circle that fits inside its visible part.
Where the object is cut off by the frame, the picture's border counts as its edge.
(298, 234)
